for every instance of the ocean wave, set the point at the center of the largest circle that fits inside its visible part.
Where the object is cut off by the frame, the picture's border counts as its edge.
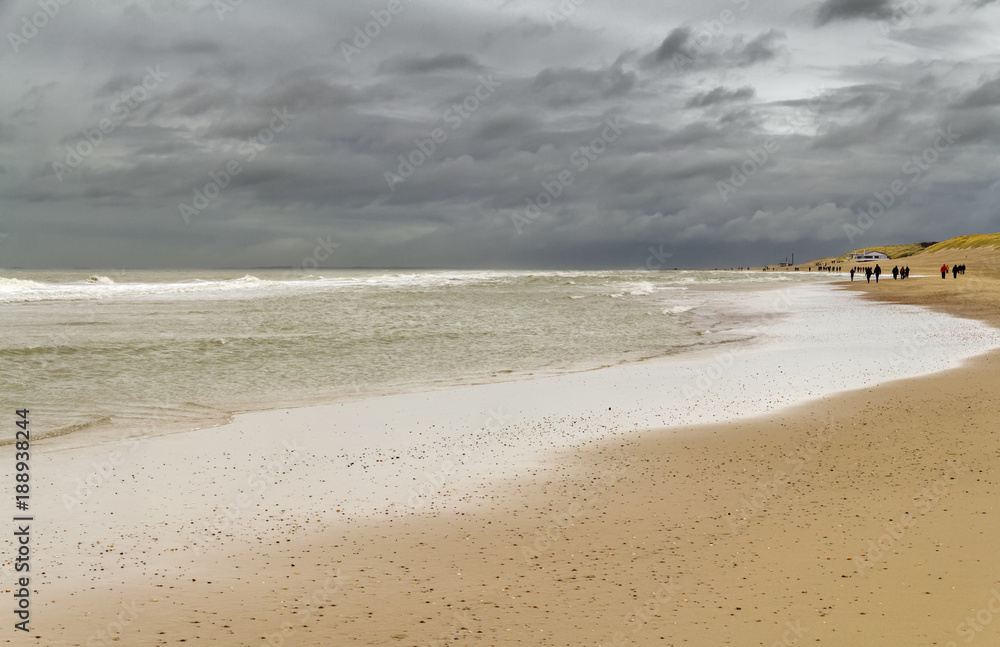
(676, 310)
(99, 287)
(613, 284)
(16, 285)
(642, 289)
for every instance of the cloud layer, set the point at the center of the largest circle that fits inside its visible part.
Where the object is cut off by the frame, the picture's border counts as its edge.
(192, 133)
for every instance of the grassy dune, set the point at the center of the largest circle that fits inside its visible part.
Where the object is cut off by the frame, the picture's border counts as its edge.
(923, 250)
(967, 242)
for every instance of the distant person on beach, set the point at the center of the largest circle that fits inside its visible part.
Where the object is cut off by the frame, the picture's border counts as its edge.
(878, 272)
(954, 271)
(907, 271)
(852, 273)
(868, 274)
(895, 272)
(944, 270)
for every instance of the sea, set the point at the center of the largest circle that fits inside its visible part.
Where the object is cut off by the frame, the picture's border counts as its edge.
(151, 352)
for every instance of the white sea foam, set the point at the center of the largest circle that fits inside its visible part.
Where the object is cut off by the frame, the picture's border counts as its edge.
(102, 287)
(821, 343)
(298, 337)
(409, 453)
(19, 285)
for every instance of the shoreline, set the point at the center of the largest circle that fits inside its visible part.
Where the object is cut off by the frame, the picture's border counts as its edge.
(587, 466)
(112, 427)
(160, 414)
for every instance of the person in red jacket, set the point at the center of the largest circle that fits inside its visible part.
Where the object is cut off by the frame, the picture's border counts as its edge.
(944, 270)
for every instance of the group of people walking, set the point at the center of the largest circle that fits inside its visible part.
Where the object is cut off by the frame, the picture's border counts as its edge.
(902, 272)
(955, 270)
(897, 272)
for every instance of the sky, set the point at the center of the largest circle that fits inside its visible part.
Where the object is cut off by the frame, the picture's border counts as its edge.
(491, 134)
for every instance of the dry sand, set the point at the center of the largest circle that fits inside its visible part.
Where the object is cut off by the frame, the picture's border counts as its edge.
(867, 518)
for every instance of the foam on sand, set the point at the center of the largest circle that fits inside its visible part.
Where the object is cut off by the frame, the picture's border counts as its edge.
(273, 474)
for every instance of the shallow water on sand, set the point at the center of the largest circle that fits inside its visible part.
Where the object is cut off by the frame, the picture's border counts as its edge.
(161, 349)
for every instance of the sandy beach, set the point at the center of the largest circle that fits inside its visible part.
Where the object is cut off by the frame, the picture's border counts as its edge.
(861, 518)
(413, 324)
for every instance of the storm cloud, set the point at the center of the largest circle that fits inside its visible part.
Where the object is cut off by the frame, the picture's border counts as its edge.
(193, 133)
(832, 10)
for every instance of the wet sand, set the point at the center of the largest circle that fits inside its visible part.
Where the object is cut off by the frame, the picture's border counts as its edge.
(864, 518)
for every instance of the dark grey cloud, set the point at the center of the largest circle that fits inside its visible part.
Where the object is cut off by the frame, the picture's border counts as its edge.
(415, 64)
(720, 95)
(482, 110)
(986, 95)
(569, 87)
(833, 10)
(676, 46)
(762, 48)
(194, 46)
(507, 126)
(685, 51)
